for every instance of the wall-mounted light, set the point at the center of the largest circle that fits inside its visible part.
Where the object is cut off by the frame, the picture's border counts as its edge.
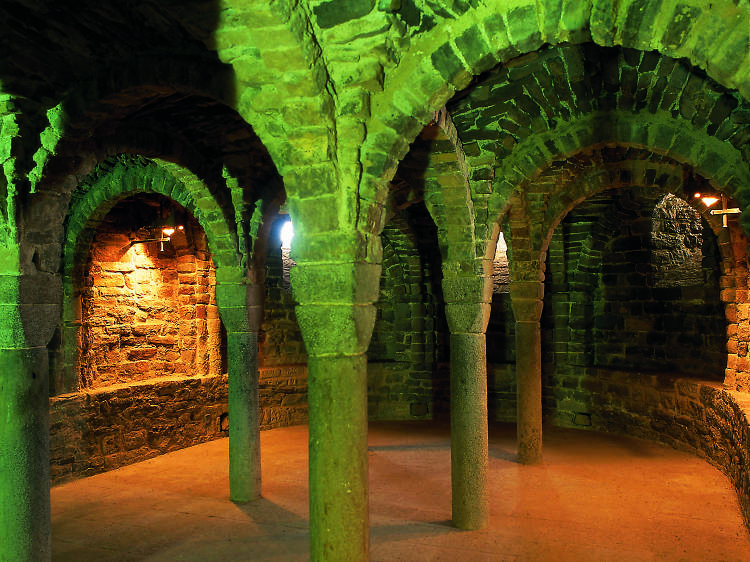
(167, 223)
(724, 212)
(707, 199)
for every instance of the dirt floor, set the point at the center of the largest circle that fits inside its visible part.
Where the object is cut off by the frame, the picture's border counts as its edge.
(596, 497)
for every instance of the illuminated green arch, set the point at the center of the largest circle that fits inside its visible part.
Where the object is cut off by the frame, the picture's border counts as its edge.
(439, 63)
(713, 159)
(130, 175)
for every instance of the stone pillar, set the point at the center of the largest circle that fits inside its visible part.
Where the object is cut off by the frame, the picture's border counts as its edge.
(526, 300)
(467, 321)
(30, 311)
(240, 306)
(336, 335)
(337, 395)
(24, 455)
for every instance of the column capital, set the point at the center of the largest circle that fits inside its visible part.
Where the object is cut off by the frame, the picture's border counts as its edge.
(336, 283)
(526, 300)
(336, 329)
(467, 318)
(240, 304)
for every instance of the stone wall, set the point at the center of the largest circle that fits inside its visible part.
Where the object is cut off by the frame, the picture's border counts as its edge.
(98, 430)
(148, 310)
(282, 358)
(676, 324)
(405, 380)
(615, 295)
(696, 416)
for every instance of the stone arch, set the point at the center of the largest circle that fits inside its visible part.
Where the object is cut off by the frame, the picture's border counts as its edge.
(584, 284)
(113, 181)
(111, 91)
(725, 169)
(447, 62)
(121, 178)
(447, 194)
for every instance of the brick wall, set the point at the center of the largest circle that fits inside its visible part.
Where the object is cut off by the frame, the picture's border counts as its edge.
(99, 430)
(282, 358)
(700, 417)
(147, 313)
(405, 377)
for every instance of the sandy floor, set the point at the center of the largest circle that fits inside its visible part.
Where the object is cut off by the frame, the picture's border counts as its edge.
(596, 497)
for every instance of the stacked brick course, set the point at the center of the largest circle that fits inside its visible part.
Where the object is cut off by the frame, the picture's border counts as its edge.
(148, 313)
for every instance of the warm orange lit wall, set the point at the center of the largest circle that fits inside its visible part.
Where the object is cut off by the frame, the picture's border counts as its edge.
(736, 294)
(152, 374)
(148, 313)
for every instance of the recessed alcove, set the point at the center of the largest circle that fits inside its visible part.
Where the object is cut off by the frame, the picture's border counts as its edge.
(151, 359)
(148, 303)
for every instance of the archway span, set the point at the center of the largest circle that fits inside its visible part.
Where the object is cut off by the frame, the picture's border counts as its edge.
(125, 175)
(488, 35)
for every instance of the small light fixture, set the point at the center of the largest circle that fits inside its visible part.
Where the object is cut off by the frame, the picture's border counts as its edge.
(707, 199)
(166, 234)
(166, 225)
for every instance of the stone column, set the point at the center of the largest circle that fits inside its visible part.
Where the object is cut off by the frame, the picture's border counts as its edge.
(467, 321)
(240, 306)
(30, 311)
(336, 335)
(526, 300)
(24, 455)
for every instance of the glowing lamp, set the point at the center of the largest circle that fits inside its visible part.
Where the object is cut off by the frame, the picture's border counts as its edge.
(708, 200)
(168, 231)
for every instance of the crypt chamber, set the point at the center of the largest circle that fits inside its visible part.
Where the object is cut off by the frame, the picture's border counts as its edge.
(223, 218)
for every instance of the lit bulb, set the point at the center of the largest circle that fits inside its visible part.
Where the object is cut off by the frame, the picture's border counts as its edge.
(167, 231)
(708, 201)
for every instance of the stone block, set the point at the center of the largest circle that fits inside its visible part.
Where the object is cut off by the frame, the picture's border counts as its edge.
(336, 283)
(449, 65)
(336, 329)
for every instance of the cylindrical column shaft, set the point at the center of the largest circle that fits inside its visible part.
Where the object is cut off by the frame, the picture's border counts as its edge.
(469, 446)
(337, 395)
(529, 391)
(244, 413)
(24, 455)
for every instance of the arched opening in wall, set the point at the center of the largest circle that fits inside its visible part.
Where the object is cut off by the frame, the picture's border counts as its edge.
(401, 375)
(148, 297)
(500, 267)
(282, 359)
(501, 349)
(152, 348)
(632, 297)
(678, 244)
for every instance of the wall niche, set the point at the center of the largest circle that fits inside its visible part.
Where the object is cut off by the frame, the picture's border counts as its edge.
(148, 307)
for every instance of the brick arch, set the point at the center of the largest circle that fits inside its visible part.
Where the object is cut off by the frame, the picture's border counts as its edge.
(112, 94)
(710, 158)
(61, 185)
(621, 168)
(485, 36)
(125, 176)
(113, 181)
(446, 191)
(115, 90)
